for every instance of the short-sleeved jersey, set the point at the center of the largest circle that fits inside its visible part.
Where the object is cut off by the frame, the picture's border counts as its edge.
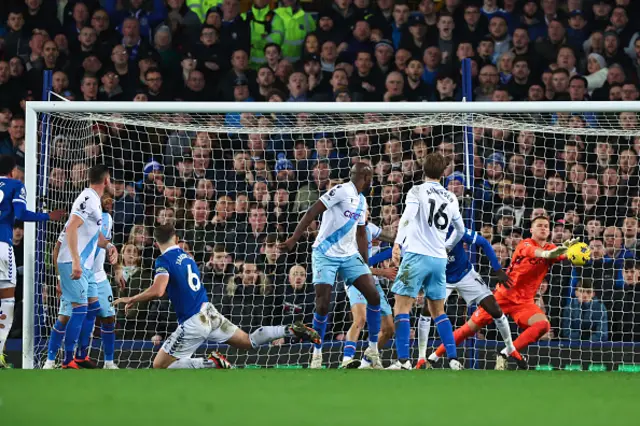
(526, 271)
(458, 263)
(185, 289)
(11, 191)
(437, 209)
(346, 210)
(88, 208)
(101, 254)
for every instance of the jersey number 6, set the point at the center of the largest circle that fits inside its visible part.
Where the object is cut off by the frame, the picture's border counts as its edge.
(193, 279)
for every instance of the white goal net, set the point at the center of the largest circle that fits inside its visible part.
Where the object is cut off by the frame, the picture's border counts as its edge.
(235, 184)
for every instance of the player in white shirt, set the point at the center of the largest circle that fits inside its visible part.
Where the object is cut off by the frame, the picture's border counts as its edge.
(341, 247)
(75, 262)
(429, 211)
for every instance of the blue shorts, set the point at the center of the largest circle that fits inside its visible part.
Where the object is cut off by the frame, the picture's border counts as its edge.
(105, 297)
(355, 298)
(419, 272)
(74, 291)
(325, 268)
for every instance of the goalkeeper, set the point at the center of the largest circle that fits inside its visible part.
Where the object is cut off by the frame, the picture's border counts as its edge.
(530, 263)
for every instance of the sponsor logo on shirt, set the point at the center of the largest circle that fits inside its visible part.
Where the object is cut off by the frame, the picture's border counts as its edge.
(352, 215)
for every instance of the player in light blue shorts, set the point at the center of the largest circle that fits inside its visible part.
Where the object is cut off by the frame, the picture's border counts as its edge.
(421, 273)
(359, 304)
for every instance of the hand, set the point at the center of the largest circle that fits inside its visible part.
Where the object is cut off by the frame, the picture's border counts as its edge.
(571, 242)
(76, 270)
(555, 253)
(278, 342)
(502, 278)
(113, 254)
(122, 283)
(288, 245)
(57, 215)
(395, 255)
(156, 340)
(388, 273)
(127, 304)
(213, 66)
(368, 87)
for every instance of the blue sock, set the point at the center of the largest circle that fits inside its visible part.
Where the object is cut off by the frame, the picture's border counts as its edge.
(349, 349)
(446, 335)
(55, 341)
(403, 332)
(320, 325)
(87, 330)
(373, 322)
(108, 340)
(74, 326)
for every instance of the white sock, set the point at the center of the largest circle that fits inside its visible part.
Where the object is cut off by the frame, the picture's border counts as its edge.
(185, 363)
(6, 320)
(373, 346)
(505, 331)
(424, 327)
(109, 363)
(346, 358)
(433, 357)
(317, 351)
(267, 334)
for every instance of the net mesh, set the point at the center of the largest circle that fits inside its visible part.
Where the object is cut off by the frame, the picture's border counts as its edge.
(233, 184)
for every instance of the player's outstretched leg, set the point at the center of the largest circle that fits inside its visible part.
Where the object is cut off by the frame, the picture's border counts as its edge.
(490, 304)
(86, 331)
(424, 327)
(358, 312)
(364, 283)
(320, 320)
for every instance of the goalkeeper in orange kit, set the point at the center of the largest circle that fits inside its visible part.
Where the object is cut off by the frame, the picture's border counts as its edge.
(529, 265)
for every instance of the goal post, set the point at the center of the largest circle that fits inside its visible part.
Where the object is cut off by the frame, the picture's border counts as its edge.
(157, 138)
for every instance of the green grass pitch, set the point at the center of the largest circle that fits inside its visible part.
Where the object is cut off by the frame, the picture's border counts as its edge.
(326, 398)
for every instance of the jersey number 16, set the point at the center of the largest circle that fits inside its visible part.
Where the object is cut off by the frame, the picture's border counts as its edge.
(439, 218)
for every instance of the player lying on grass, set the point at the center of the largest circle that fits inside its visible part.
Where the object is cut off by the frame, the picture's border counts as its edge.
(341, 247)
(530, 263)
(359, 306)
(463, 278)
(75, 261)
(429, 211)
(177, 274)
(13, 206)
(99, 299)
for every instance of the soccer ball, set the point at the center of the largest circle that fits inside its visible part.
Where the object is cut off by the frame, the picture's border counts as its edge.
(579, 254)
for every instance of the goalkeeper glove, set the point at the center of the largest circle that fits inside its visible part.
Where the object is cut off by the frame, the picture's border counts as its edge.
(571, 242)
(554, 253)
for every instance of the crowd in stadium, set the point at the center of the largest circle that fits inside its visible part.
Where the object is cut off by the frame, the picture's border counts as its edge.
(234, 197)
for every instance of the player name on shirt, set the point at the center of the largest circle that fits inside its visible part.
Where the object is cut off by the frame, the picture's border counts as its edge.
(431, 190)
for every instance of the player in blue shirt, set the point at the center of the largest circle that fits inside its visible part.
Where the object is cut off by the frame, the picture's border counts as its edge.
(462, 277)
(177, 274)
(13, 206)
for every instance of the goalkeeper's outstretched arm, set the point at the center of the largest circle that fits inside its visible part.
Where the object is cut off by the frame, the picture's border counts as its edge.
(316, 210)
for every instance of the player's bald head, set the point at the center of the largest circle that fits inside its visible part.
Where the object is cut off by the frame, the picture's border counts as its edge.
(360, 170)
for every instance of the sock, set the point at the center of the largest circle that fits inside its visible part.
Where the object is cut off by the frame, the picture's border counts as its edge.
(460, 335)
(55, 341)
(403, 332)
(320, 325)
(87, 330)
(6, 319)
(267, 334)
(108, 340)
(424, 326)
(373, 325)
(531, 335)
(505, 331)
(349, 350)
(192, 363)
(446, 335)
(74, 326)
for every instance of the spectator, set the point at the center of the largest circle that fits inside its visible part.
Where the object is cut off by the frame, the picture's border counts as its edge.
(585, 318)
(199, 231)
(148, 20)
(218, 270)
(298, 297)
(297, 24)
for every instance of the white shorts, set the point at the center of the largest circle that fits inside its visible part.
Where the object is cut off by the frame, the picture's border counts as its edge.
(471, 287)
(208, 324)
(7, 266)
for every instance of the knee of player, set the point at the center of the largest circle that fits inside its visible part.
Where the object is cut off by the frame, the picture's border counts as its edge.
(108, 320)
(544, 327)
(387, 328)
(374, 299)
(358, 323)
(157, 364)
(63, 319)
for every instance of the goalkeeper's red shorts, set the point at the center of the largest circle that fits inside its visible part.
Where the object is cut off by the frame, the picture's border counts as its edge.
(519, 312)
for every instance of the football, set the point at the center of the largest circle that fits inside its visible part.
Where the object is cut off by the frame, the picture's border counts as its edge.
(579, 254)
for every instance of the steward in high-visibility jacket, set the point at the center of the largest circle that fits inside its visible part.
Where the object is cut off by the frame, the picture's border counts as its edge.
(265, 27)
(200, 7)
(297, 24)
